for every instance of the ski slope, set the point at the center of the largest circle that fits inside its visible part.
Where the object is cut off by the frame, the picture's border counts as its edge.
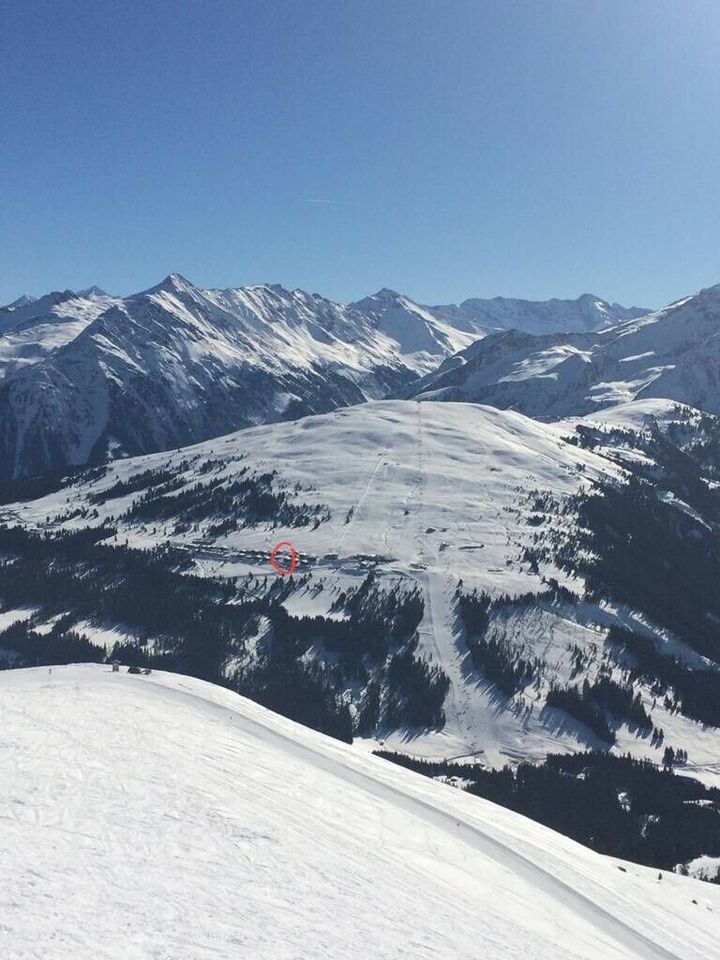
(429, 493)
(430, 485)
(161, 817)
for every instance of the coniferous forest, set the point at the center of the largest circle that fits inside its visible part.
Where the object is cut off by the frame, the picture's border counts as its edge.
(188, 624)
(616, 805)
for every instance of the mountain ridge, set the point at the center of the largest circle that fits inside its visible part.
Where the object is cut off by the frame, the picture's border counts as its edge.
(584, 313)
(673, 353)
(91, 377)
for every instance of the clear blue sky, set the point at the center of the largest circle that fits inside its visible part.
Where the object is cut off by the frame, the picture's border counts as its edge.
(470, 147)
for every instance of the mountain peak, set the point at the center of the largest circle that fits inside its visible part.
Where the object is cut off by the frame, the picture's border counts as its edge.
(710, 294)
(176, 281)
(381, 300)
(94, 291)
(386, 294)
(173, 283)
(23, 301)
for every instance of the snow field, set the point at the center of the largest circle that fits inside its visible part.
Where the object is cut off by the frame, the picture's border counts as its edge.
(161, 817)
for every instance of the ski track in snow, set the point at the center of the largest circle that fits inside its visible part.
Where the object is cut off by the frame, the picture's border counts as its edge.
(162, 818)
(358, 505)
(418, 808)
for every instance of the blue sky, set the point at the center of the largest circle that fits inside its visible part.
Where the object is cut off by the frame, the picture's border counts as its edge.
(529, 148)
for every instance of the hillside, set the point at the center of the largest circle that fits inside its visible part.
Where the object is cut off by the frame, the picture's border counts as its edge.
(195, 823)
(462, 569)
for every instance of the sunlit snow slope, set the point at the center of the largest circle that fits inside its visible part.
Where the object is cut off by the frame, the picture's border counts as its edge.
(425, 494)
(161, 817)
(30, 330)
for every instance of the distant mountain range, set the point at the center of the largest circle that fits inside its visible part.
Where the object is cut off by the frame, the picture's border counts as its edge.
(587, 313)
(31, 328)
(672, 353)
(85, 376)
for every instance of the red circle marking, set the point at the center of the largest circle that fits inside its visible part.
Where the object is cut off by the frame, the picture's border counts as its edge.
(286, 572)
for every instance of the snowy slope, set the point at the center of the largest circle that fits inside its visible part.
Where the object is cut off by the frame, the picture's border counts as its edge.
(673, 353)
(31, 329)
(419, 476)
(148, 817)
(427, 494)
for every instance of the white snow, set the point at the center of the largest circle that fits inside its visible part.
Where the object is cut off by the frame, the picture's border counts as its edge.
(32, 330)
(703, 867)
(160, 817)
(8, 617)
(635, 414)
(669, 354)
(435, 493)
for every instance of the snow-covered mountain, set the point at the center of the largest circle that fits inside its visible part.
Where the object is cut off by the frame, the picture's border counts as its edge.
(586, 313)
(32, 328)
(672, 353)
(93, 291)
(176, 364)
(89, 376)
(421, 332)
(163, 816)
(22, 301)
(440, 501)
(491, 593)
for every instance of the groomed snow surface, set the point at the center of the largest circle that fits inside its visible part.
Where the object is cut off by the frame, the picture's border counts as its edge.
(163, 818)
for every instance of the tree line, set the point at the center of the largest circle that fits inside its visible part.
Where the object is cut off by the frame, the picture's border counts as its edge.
(615, 805)
(187, 624)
